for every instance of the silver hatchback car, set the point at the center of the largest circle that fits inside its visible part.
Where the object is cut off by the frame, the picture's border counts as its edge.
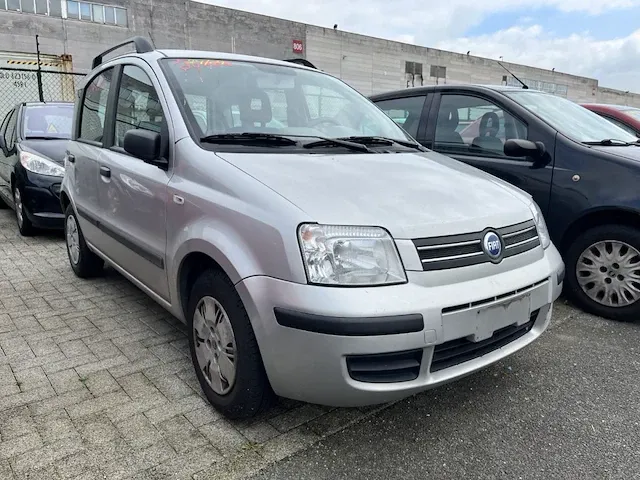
(313, 248)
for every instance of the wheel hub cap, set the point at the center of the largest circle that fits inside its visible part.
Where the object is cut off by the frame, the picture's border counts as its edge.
(215, 345)
(73, 239)
(609, 273)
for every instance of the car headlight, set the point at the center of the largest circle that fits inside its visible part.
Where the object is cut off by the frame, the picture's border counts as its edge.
(350, 256)
(37, 164)
(541, 225)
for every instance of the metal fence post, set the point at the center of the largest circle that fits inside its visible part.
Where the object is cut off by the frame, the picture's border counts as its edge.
(39, 74)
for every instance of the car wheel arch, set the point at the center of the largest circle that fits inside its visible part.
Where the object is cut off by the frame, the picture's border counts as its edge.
(596, 218)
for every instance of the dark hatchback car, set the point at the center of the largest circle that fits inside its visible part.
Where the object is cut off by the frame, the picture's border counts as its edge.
(627, 118)
(581, 169)
(33, 141)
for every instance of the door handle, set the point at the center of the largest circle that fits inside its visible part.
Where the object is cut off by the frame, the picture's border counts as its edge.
(105, 172)
(71, 158)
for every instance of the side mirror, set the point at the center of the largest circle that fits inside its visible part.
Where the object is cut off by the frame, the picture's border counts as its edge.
(3, 146)
(145, 145)
(524, 148)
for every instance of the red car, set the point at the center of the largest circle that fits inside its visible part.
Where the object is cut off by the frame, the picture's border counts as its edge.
(627, 118)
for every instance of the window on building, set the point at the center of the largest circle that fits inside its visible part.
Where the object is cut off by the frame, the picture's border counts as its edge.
(94, 107)
(95, 12)
(438, 71)
(28, 6)
(414, 68)
(42, 7)
(13, 5)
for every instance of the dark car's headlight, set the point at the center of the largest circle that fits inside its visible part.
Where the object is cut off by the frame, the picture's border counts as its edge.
(37, 164)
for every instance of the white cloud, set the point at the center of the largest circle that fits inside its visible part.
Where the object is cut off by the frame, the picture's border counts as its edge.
(615, 63)
(444, 24)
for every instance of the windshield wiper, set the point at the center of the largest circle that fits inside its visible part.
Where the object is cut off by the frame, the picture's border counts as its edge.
(373, 140)
(250, 138)
(612, 142)
(324, 142)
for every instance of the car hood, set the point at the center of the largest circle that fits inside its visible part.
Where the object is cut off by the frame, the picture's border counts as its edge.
(411, 194)
(53, 149)
(631, 152)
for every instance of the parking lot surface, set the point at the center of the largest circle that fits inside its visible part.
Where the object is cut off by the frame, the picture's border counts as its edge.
(96, 382)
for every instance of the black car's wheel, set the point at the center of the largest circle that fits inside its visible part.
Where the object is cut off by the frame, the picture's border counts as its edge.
(25, 226)
(83, 261)
(224, 349)
(603, 272)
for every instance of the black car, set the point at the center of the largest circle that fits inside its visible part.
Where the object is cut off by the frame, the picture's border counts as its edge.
(582, 170)
(33, 140)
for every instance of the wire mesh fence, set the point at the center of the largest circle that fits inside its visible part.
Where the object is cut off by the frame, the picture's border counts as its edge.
(19, 85)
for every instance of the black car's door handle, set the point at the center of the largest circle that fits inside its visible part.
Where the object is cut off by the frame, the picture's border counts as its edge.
(105, 172)
(71, 158)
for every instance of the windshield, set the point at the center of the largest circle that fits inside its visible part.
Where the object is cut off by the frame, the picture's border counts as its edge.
(570, 119)
(48, 121)
(225, 97)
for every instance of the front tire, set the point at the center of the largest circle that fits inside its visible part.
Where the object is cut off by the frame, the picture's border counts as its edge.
(603, 272)
(25, 226)
(84, 262)
(224, 349)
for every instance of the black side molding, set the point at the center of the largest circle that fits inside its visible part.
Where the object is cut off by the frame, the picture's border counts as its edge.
(349, 326)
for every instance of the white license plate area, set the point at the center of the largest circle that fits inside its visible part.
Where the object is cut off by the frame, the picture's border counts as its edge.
(488, 320)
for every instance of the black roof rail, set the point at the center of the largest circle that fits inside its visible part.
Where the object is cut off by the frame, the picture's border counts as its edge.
(301, 61)
(142, 46)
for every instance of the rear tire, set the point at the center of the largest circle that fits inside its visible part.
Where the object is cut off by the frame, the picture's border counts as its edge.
(84, 262)
(603, 272)
(224, 349)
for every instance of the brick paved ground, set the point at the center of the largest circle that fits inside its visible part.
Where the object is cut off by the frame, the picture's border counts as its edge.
(96, 382)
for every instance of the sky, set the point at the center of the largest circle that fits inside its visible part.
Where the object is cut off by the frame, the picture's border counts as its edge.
(595, 38)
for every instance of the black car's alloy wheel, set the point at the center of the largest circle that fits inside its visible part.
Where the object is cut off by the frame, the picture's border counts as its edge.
(603, 272)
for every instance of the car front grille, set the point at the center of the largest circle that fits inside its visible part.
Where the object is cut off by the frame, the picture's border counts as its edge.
(455, 352)
(385, 367)
(456, 251)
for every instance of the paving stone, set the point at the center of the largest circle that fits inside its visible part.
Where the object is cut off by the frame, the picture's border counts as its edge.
(31, 379)
(173, 387)
(104, 349)
(56, 428)
(103, 364)
(96, 405)
(293, 418)
(140, 405)
(5, 471)
(224, 437)
(66, 381)
(46, 455)
(184, 466)
(138, 431)
(96, 430)
(19, 445)
(137, 385)
(165, 412)
(100, 383)
(202, 416)
(16, 423)
(181, 435)
(260, 432)
(74, 348)
(45, 407)
(288, 443)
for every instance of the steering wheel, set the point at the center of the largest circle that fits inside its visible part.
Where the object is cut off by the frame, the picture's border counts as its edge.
(321, 120)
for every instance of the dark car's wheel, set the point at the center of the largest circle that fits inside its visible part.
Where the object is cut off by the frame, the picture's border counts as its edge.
(83, 261)
(224, 349)
(25, 226)
(603, 272)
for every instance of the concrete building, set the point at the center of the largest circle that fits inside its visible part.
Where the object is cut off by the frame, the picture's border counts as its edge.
(371, 65)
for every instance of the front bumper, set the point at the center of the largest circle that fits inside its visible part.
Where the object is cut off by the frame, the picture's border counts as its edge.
(41, 198)
(331, 346)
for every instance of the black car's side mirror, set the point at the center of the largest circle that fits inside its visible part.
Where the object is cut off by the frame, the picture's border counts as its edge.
(145, 145)
(524, 148)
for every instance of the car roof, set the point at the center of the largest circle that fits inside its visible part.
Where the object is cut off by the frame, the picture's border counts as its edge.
(209, 55)
(462, 86)
(33, 104)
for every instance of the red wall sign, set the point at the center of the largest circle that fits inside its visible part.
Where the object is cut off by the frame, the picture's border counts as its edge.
(297, 46)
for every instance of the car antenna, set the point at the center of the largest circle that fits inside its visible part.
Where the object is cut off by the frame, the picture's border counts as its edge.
(524, 85)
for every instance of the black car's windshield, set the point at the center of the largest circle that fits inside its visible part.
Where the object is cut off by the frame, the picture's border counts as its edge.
(48, 121)
(235, 97)
(570, 119)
